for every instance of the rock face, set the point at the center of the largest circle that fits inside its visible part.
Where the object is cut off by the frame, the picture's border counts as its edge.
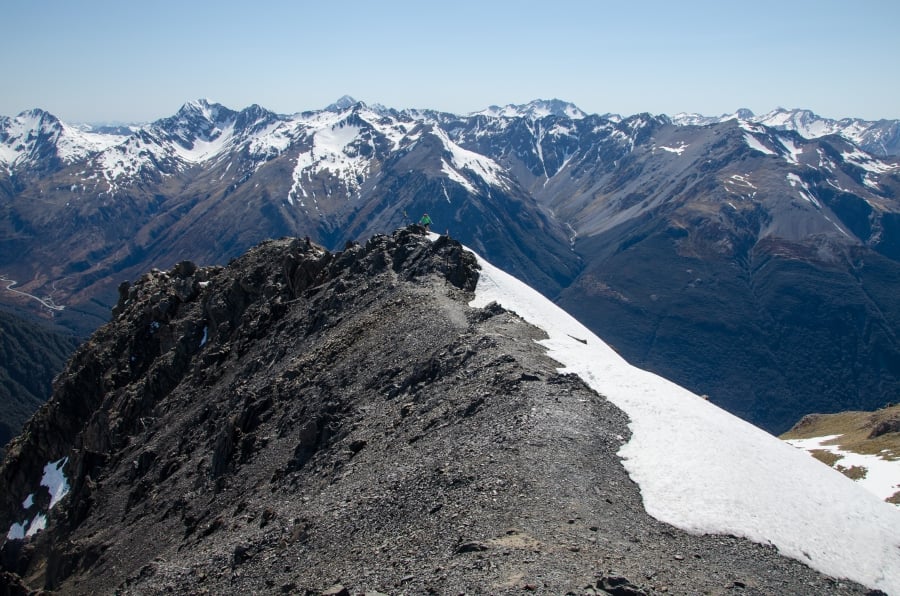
(307, 422)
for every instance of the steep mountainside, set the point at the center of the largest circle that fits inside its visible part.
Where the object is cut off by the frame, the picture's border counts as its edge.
(301, 419)
(765, 285)
(744, 261)
(31, 354)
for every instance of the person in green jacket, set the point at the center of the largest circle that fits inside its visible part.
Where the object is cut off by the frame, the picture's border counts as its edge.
(425, 221)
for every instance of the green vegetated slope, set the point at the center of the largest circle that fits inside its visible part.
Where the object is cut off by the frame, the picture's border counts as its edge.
(31, 354)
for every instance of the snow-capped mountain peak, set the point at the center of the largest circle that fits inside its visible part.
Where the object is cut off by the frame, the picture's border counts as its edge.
(201, 131)
(197, 119)
(350, 144)
(21, 136)
(880, 138)
(805, 122)
(198, 132)
(695, 119)
(534, 110)
(344, 144)
(203, 107)
(36, 136)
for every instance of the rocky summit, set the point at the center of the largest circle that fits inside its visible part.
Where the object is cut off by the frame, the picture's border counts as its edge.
(307, 422)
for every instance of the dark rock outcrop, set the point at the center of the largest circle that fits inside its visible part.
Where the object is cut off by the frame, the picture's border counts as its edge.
(307, 422)
(884, 427)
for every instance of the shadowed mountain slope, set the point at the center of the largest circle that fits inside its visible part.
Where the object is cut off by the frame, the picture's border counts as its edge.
(31, 354)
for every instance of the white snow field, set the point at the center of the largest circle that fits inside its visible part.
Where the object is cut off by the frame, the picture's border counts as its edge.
(704, 470)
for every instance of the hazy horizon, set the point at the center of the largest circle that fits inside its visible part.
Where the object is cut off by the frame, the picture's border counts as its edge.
(108, 61)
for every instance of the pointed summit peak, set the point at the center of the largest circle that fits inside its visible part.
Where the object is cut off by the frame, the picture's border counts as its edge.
(36, 113)
(36, 118)
(201, 106)
(196, 105)
(200, 112)
(341, 104)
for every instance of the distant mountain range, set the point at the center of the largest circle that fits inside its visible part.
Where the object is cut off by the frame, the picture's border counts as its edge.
(753, 260)
(880, 137)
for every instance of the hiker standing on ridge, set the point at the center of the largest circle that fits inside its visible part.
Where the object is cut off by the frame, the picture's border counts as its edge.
(425, 221)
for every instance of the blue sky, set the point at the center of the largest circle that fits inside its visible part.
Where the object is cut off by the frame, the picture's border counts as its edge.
(115, 60)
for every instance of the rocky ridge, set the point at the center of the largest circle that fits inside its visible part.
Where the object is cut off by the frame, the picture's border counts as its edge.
(303, 421)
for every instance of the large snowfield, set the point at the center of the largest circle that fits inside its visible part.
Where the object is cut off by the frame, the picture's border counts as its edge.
(706, 471)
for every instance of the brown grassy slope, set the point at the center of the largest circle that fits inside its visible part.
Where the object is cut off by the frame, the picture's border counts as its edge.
(871, 433)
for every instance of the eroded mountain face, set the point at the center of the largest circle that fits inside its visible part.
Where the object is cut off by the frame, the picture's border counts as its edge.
(301, 419)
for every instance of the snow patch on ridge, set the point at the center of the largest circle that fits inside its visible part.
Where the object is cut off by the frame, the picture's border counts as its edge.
(128, 159)
(881, 475)
(58, 486)
(867, 162)
(757, 145)
(463, 159)
(740, 185)
(805, 192)
(676, 150)
(793, 151)
(274, 140)
(55, 480)
(202, 150)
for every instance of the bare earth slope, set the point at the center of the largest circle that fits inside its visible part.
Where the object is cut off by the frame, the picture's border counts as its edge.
(301, 420)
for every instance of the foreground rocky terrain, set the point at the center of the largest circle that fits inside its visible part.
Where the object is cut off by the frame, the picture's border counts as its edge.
(303, 421)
